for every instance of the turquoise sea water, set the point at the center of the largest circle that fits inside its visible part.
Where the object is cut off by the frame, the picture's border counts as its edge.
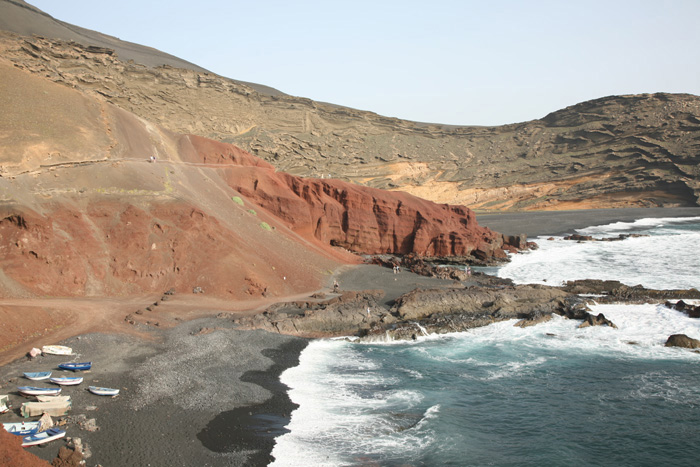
(550, 394)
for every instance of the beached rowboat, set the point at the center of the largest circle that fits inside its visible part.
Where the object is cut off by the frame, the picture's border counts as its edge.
(67, 380)
(21, 428)
(84, 366)
(43, 437)
(32, 391)
(38, 375)
(56, 350)
(103, 391)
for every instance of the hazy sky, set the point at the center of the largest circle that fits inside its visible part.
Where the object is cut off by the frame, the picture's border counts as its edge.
(457, 62)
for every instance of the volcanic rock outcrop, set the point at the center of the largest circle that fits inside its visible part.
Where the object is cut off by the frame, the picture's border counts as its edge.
(424, 311)
(360, 219)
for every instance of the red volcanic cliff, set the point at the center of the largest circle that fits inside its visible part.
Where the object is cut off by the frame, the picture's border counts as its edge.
(359, 219)
(98, 244)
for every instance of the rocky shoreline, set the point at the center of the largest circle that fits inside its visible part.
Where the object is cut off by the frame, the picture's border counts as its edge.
(461, 301)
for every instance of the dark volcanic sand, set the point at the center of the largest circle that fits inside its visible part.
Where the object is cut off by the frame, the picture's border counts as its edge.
(176, 391)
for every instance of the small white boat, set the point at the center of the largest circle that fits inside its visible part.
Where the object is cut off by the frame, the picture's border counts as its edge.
(67, 380)
(103, 391)
(43, 437)
(32, 391)
(38, 375)
(21, 428)
(4, 404)
(56, 350)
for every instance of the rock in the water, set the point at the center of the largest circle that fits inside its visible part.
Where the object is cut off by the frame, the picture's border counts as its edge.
(535, 318)
(692, 311)
(681, 340)
(599, 320)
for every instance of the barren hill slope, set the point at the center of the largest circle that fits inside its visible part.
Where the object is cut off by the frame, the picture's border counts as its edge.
(622, 151)
(619, 151)
(83, 212)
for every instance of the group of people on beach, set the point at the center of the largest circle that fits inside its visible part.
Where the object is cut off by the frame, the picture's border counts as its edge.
(397, 269)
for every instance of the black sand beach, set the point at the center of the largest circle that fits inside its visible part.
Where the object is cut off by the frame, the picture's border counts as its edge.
(205, 393)
(199, 394)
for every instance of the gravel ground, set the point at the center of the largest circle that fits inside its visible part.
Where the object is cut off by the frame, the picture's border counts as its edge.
(202, 393)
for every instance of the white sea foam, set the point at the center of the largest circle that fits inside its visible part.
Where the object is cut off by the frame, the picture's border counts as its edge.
(664, 259)
(429, 414)
(638, 225)
(642, 331)
(339, 415)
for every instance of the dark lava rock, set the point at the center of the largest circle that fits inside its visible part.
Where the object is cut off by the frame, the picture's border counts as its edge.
(681, 340)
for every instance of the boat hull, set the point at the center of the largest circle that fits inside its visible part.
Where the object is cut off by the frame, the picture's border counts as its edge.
(21, 428)
(103, 391)
(43, 437)
(38, 376)
(66, 381)
(76, 366)
(32, 391)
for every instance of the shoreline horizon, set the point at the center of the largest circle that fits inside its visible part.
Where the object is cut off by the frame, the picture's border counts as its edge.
(555, 223)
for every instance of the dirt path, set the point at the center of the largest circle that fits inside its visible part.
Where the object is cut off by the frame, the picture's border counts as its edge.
(33, 322)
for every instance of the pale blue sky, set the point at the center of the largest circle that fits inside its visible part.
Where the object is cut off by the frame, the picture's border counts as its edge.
(442, 61)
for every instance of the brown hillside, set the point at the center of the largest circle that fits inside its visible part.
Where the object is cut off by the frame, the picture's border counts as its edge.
(620, 151)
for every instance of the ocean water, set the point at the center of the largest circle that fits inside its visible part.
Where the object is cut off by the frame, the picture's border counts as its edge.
(550, 394)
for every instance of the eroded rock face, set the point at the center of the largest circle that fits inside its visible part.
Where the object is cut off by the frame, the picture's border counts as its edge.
(360, 219)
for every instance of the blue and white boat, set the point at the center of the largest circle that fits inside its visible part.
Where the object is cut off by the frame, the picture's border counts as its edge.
(84, 366)
(103, 391)
(33, 391)
(67, 380)
(38, 375)
(43, 437)
(21, 428)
